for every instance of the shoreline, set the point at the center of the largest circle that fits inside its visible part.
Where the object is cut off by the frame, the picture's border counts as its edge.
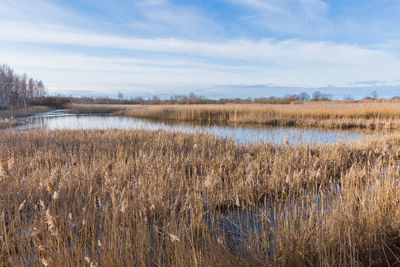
(8, 117)
(330, 115)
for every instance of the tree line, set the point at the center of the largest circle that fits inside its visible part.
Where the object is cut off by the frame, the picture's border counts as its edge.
(191, 98)
(18, 91)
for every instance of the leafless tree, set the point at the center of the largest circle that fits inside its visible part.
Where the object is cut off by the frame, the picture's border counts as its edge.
(18, 91)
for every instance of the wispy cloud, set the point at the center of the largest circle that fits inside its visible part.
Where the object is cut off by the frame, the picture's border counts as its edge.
(369, 83)
(265, 50)
(150, 2)
(269, 6)
(152, 44)
(40, 11)
(184, 62)
(301, 17)
(165, 19)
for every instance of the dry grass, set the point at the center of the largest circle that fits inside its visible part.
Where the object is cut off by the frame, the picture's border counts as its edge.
(23, 112)
(136, 198)
(384, 115)
(96, 108)
(7, 116)
(9, 123)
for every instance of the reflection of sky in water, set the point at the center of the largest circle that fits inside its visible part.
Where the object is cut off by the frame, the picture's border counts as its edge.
(59, 120)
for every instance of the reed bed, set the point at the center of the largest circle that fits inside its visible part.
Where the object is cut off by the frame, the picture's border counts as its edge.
(96, 108)
(372, 115)
(23, 112)
(7, 116)
(137, 198)
(9, 123)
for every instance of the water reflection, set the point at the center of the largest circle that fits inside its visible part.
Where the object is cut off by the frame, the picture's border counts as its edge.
(60, 120)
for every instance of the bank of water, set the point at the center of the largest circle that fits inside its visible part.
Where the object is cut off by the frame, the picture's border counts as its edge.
(62, 120)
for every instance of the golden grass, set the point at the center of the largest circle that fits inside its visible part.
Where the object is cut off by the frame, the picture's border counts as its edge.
(137, 198)
(8, 123)
(7, 116)
(384, 115)
(96, 108)
(24, 112)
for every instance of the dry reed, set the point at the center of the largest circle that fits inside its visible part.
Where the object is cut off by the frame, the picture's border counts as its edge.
(23, 112)
(9, 123)
(330, 115)
(96, 108)
(137, 198)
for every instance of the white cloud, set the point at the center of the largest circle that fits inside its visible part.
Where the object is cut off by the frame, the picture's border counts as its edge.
(39, 11)
(138, 17)
(177, 62)
(150, 2)
(259, 4)
(263, 51)
(186, 60)
(164, 18)
(300, 17)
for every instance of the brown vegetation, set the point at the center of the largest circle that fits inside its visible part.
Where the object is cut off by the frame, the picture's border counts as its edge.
(23, 112)
(383, 115)
(136, 198)
(7, 117)
(96, 108)
(8, 123)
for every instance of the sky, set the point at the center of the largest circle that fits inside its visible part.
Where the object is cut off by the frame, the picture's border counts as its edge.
(213, 48)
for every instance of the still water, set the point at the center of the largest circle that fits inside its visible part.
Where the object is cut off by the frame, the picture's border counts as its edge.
(61, 120)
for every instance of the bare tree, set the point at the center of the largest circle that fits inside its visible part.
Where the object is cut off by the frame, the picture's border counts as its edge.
(318, 96)
(304, 96)
(17, 91)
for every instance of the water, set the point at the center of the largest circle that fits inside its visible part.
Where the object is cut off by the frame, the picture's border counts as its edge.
(61, 120)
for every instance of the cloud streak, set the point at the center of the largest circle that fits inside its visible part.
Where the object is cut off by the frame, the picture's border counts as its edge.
(182, 62)
(300, 17)
(153, 44)
(264, 50)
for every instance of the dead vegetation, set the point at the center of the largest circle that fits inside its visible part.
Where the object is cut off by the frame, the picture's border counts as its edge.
(96, 108)
(137, 198)
(23, 112)
(371, 115)
(7, 117)
(8, 123)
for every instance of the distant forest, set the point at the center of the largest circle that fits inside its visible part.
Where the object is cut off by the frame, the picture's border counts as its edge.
(18, 91)
(191, 99)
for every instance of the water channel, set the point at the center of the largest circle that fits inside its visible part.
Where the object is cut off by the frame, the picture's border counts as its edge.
(62, 120)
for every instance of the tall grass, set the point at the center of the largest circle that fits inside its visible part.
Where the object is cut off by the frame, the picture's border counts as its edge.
(137, 198)
(333, 115)
(23, 112)
(96, 108)
(7, 116)
(8, 123)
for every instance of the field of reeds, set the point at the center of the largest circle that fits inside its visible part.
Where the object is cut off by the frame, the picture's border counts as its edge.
(7, 117)
(137, 198)
(8, 123)
(23, 112)
(96, 108)
(371, 115)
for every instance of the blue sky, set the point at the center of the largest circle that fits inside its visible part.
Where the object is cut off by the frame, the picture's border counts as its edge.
(214, 48)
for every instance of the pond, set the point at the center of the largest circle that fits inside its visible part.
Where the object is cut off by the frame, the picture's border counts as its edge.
(62, 120)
